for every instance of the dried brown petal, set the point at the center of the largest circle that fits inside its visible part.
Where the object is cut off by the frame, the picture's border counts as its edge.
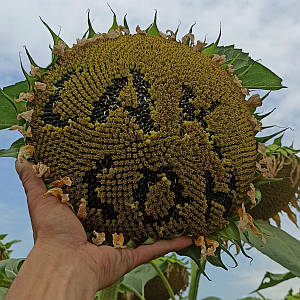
(276, 218)
(100, 238)
(25, 152)
(82, 214)
(230, 69)
(171, 35)
(61, 182)
(41, 170)
(59, 49)
(35, 71)
(199, 46)
(39, 86)
(245, 91)
(219, 59)
(139, 31)
(118, 241)
(251, 194)
(124, 29)
(25, 96)
(113, 34)
(58, 193)
(25, 133)
(257, 126)
(186, 37)
(254, 101)
(237, 81)
(26, 115)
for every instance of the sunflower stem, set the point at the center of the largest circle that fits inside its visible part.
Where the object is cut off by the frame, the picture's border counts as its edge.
(194, 282)
(164, 280)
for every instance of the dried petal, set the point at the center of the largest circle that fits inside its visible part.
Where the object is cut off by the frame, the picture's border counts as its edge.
(245, 91)
(276, 218)
(290, 214)
(35, 71)
(25, 133)
(113, 34)
(39, 86)
(254, 101)
(246, 219)
(26, 115)
(82, 214)
(25, 152)
(25, 96)
(188, 36)
(199, 46)
(100, 238)
(219, 59)
(171, 35)
(41, 170)
(81, 42)
(58, 193)
(139, 31)
(213, 246)
(230, 69)
(251, 194)
(61, 182)
(237, 81)
(256, 124)
(59, 49)
(124, 29)
(118, 241)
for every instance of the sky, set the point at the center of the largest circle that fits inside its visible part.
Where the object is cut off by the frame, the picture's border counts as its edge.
(268, 30)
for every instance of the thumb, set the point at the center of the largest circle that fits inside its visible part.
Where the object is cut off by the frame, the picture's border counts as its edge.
(34, 186)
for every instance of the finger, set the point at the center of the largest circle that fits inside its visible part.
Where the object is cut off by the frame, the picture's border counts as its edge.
(34, 186)
(146, 253)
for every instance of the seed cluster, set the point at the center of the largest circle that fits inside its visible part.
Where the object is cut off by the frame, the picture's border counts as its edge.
(154, 136)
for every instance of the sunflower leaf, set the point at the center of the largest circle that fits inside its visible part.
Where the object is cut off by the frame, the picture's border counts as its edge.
(13, 150)
(271, 279)
(153, 30)
(234, 56)
(14, 91)
(8, 113)
(260, 77)
(264, 139)
(280, 246)
(194, 253)
(136, 280)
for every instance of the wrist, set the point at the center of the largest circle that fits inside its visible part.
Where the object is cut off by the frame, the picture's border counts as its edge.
(54, 273)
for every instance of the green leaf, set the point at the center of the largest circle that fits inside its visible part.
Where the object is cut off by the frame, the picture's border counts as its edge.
(3, 236)
(211, 298)
(277, 141)
(264, 139)
(232, 233)
(216, 260)
(194, 253)
(14, 91)
(8, 113)
(136, 280)
(210, 49)
(115, 25)
(261, 181)
(257, 195)
(125, 24)
(235, 57)
(3, 292)
(9, 244)
(153, 30)
(271, 279)
(280, 246)
(260, 117)
(260, 77)
(91, 30)
(55, 37)
(11, 267)
(13, 150)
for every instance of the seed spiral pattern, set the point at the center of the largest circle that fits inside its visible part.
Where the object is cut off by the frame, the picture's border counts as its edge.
(155, 136)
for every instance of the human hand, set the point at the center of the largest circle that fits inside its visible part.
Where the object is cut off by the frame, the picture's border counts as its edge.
(57, 230)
